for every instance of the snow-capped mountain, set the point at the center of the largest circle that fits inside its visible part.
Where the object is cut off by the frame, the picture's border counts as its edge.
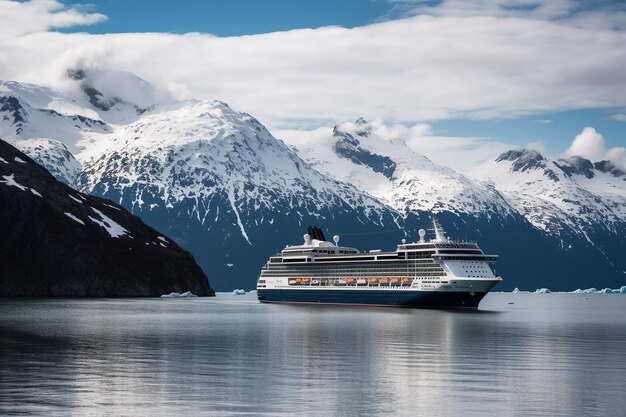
(388, 169)
(565, 194)
(215, 179)
(560, 212)
(220, 184)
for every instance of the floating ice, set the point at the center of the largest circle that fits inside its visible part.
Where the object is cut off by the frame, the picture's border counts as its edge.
(586, 291)
(187, 294)
(239, 292)
(542, 291)
(516, 290)
(621, 290)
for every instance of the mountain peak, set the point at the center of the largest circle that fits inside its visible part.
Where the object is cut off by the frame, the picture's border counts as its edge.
(576, 165)
(609, 168)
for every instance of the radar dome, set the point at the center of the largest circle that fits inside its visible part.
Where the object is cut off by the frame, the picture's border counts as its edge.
(422, 232)
(307, 238)
(336, 239)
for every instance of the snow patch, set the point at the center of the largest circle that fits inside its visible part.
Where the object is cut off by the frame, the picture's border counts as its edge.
(76, 219)
(10, 181)
(75, 199)
(20, 160)
(114, 229)
(3, 160)
(32, 190)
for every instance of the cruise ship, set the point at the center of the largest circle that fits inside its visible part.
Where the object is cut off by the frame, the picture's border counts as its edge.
(433, 273)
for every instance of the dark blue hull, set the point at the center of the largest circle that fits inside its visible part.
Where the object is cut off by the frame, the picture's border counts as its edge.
(399, 298)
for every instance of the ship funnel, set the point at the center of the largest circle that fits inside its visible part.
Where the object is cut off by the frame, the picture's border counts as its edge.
(316, 233)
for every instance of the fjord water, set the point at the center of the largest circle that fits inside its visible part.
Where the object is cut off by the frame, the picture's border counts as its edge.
(545, 354)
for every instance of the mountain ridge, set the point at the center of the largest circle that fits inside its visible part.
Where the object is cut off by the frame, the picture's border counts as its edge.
(224, 187)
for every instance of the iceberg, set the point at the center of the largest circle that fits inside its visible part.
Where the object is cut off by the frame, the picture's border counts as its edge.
(187, 294)
(586, 291)
(542, 291)
(239, 292)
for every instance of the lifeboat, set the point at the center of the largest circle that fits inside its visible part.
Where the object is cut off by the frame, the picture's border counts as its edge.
(361, 281)
(372, 280)
(341, 282)
(406, 281)
(292, 281)
(315, 282)
(350, 281)
(306, 280)
(384, 281)
(298, 280)
(395, 281)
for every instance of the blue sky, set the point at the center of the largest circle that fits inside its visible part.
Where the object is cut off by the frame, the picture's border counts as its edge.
(231, 17)
(514, 72)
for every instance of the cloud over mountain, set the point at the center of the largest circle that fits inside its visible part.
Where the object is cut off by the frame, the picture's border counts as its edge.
(590, 144)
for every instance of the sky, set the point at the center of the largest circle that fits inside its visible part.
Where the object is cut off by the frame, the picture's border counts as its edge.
(481, 76)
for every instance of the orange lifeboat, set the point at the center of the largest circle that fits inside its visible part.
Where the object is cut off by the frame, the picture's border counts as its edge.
(384, 280)
(298, 280)
(292, 281)
(395, 281)
(306, 280)
(373, 280)
(406, 280)
(350, 281)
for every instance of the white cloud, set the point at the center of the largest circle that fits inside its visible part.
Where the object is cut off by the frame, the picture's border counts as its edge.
(19, 18)
(590, 144)
(576, 13)
(619, 117)
(419, 68)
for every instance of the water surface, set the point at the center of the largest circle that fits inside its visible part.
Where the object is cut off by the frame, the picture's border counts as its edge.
(545, 354)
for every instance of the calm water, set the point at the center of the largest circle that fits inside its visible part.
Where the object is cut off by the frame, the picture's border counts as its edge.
(546, 354)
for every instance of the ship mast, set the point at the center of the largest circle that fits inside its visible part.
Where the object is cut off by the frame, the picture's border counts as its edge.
(440, 234)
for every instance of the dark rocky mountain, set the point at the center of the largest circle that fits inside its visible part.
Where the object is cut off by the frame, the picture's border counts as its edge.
(57, 241)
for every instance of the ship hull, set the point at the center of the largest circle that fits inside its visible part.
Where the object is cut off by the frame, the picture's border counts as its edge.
(380, 298)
